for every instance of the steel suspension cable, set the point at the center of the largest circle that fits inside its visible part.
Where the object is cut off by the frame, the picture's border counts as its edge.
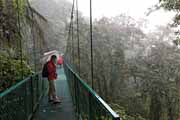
(91, 38)
(77, 16)
(71, 32)
(19, 33)
(34, 42)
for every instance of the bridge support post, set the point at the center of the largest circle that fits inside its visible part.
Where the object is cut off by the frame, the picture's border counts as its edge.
(76, 95)
(32, 95)
(26, 101)
(90, 107)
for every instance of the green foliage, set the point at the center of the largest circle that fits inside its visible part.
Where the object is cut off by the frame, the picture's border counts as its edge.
(19, 5)
(123, 114)
(3, 2)
(137, 72)
(11, 70)
(170, 4)
(173, 5)
(16, 25)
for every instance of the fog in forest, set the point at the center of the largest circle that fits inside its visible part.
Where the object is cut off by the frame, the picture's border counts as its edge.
(136, 55)
(136, 52)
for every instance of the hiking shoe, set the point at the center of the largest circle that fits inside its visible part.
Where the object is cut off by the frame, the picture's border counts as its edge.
(50, 99)
(55, 101)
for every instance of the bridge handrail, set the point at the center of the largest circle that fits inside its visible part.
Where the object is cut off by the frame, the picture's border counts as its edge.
(92, 93)
(9, 90)
(21, 100)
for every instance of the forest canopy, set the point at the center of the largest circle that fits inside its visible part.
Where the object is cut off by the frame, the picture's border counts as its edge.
(136, 72)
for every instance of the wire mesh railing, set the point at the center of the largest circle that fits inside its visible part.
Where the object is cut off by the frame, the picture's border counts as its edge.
(20, 101)
(88, 104)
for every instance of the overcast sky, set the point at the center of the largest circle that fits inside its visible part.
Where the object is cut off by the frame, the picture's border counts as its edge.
(134, 8)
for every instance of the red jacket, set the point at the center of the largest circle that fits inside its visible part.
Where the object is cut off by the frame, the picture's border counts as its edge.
(60, 60)
(52, 71)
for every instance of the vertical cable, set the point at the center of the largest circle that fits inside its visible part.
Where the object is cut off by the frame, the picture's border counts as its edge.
(77, 86)
(72, 35)
(19, 33)
(69, 50)
(21, 55)
(91, 35)
(69, 32)
(34, 42)
(77, 13)
(72, 32)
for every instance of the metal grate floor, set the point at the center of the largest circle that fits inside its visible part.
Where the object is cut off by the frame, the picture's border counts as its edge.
(62, 111)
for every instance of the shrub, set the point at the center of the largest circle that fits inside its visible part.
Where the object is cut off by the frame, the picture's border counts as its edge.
(11, 71)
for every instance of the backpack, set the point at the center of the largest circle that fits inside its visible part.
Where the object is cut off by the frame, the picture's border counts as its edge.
(45, 72)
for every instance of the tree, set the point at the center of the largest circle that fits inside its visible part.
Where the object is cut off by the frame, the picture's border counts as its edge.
(172, 5)
(58, 15)
(19, 28)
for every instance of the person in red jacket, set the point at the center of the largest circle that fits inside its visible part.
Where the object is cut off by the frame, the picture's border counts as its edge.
(51, 78)
(60, 60)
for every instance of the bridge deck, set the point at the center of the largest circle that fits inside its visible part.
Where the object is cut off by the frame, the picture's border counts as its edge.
(62, 111)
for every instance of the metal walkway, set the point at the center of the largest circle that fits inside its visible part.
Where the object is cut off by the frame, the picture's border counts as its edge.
(20, 101)
(62, 111)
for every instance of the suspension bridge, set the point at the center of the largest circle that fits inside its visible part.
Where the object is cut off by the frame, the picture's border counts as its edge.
(27, 100)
